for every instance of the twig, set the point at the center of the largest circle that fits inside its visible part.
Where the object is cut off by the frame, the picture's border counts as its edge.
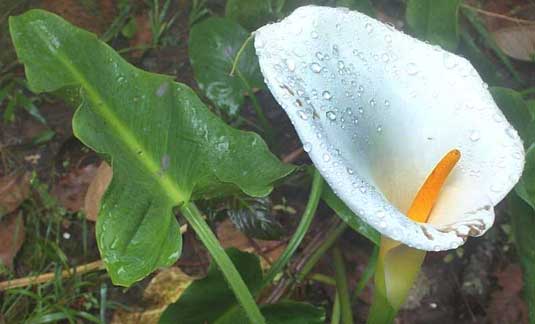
(294, 155)
(45, 277)
(34, 280)
(497, 15)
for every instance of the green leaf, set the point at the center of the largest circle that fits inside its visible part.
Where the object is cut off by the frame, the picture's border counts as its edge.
(435, 21)
(251, 14)
(252, 216)
(523, 227)
(363, 6)
(165, 146)
(213, 45)
(210, 300)
(525, 188)
(349, 217)
(517, 112)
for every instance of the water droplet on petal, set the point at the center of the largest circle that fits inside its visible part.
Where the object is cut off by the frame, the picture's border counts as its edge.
(368, 27)
(412, 68)
(315, 67)
(326, 157)
(302, 114)
(350, 171)
(290, 64)
(475, 135)
(326, 95)
(331, 115)
(307, 147)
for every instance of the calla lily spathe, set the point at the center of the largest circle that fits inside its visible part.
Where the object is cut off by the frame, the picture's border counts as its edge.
(377, 109)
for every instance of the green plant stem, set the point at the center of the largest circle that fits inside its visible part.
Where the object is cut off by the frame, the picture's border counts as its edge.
(239, 53)
(256, 105)
(367, 274)
(328, 242)
(324, 279)
(335, 318)
(341, 286)
(306, 220)
(199, 225)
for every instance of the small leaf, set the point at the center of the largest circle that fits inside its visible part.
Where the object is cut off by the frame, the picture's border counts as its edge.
(14, 189)
(349, 217)
(250, 14)
(165, 147)
(253, 217)
(12, 234)
(435, 21)
(210, 300)
(96, 190)
(517, 42)
(523, 226)
(213, 46)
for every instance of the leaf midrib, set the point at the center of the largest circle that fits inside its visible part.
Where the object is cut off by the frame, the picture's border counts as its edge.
(125, 135)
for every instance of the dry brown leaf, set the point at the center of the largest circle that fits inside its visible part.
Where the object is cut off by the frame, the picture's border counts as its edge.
(71, 189)
(95, 15)
(506, 304)
(517, 42)
(96, 190)
(12, 236)
(14, 189)
(164, 289)
(230, 236)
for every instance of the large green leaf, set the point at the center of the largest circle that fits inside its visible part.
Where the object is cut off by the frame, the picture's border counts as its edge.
(523, 226)
(525, 188)
(435, 21)
(355, 222)
(251, 14)
(213, 45)
(210, 300)
(165, 146)
(517, 112)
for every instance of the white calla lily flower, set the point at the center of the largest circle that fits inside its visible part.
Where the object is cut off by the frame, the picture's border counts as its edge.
(377, 109)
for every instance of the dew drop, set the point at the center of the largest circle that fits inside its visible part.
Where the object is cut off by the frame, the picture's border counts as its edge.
(162, 89)
(379, 129)
(307, 147)
(350, 171)
(326, 157)
(302, 114)
(290, 64)
(326, 95)
(449, 61)
(412, 68)
(314, 35)
(331, 115)
(475, 135)
(368, 27)
(315, 67)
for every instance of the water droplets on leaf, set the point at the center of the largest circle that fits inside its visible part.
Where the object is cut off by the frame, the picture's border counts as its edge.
(162, 89)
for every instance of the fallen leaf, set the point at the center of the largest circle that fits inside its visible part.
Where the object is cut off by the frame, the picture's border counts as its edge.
(163, 289)
(517, 42)
(71, 189)
(12, 234)
(95, 16)
(14, 189)
(506, 304)
(96, 190)
(230, 236)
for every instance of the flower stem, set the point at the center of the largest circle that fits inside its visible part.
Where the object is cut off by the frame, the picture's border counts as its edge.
(341, 286)
(328, 242)
(256, 105)
(335, 318)
(239, 53)
(367, 274)
(306, 220)
(195, 219)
